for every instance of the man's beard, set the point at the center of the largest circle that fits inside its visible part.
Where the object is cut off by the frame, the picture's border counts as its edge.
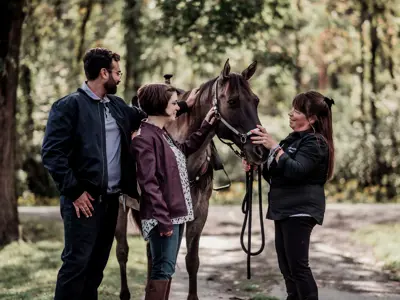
(110, 86)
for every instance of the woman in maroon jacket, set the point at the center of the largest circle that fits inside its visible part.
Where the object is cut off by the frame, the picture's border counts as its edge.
(163, 179)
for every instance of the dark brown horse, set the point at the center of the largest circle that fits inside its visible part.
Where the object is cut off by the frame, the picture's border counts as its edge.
(237, 108)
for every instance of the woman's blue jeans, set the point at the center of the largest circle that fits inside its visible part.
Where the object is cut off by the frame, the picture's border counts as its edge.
(164, 252)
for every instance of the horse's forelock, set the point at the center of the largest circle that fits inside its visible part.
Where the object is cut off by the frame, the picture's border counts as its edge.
(239, 86)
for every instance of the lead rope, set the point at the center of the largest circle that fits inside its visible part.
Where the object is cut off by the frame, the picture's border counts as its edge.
(247, 210)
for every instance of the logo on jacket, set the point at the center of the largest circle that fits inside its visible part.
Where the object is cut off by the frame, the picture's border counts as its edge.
(292, 149)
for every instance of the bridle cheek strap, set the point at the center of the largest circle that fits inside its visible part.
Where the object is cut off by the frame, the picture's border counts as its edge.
(243, 136)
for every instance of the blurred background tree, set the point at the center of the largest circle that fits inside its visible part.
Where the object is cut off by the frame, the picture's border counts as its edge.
(11, 19)
(346, 49)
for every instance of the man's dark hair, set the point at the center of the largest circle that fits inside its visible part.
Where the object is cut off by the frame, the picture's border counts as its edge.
(153, 98)
(96, 59)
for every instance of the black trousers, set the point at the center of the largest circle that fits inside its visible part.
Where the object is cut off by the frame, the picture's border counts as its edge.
(292, 241)
(88, 242)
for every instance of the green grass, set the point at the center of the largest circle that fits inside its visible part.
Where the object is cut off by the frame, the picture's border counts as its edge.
(254, 291)
(28, 268)
(385, 240)
(262, 297)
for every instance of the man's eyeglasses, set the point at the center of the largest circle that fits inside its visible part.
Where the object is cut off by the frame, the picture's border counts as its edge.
(119, 73)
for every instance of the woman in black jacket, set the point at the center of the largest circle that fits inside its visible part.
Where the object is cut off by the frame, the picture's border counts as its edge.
(297, 169)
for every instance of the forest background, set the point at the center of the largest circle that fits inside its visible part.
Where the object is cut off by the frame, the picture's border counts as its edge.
(346, 49)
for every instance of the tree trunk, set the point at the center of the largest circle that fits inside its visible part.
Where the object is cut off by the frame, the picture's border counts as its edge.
(26, 88)
(363, 17)
(133, 66)
(379, 168)
(10, 39)
(361, 74)
(323, 78)
(391, 44)
(391, 186)
(82, 30)
(298, 69)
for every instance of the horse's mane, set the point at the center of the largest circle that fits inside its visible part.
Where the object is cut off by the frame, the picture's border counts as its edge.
(189, 122)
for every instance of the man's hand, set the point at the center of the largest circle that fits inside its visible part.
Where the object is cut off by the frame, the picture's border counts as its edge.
(83, 204)
(169, 233)
(192, 97)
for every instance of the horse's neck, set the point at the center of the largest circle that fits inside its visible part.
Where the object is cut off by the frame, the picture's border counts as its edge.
(184, 126)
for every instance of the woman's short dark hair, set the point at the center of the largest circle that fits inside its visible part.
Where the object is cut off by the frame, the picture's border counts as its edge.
(153, 98)
(96, 59)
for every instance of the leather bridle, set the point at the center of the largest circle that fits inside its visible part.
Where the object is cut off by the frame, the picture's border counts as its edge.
(248, 198)
(242, 136)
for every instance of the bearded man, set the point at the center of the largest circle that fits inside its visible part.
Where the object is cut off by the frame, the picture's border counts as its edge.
(86, 150)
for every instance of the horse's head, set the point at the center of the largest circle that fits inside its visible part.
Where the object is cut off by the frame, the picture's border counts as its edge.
(237, 107)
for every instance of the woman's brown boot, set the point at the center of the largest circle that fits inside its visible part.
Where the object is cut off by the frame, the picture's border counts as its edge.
(156, 290)
(168, 290)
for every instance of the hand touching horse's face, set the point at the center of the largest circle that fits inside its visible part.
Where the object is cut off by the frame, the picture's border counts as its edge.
(237, 105)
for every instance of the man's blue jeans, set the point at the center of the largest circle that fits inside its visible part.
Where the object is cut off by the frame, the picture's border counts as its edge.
(164, 251)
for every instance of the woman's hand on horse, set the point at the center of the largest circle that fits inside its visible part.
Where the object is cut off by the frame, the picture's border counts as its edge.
(192, 97)
(168, 233)
(246, 165)
(263, 138)
(133, 134)
(210, 117)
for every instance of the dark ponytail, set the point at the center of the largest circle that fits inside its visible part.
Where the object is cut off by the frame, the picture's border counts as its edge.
(315, 104)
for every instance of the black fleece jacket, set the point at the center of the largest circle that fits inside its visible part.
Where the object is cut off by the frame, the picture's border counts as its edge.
(297, 180)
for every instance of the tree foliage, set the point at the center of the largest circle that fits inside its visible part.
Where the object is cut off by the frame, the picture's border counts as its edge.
(208, 28)
(346, 49)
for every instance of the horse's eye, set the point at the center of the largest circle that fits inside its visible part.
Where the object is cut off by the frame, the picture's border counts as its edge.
(232, 101)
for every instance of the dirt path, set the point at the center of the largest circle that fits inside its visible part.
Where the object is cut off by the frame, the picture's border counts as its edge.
(343, 268)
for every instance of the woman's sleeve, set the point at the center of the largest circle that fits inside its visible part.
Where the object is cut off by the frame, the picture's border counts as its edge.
(144, 151)
(196, 139)
(310, 153)
(266, 173)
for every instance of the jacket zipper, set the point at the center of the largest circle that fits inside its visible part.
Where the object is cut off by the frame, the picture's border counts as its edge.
(126, 141)
(102, 146)
(115, 116)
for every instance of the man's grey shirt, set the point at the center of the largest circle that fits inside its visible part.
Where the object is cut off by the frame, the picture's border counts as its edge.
(113, 143)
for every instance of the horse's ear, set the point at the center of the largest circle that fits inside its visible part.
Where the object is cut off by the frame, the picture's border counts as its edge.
(249, 72)
(225, 71)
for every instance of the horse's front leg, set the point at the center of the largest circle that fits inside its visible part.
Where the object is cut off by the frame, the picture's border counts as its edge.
(122, 251)
(193, 233)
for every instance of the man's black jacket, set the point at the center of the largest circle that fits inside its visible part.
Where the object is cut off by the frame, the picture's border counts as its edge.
(74, 145)
(297, 180)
